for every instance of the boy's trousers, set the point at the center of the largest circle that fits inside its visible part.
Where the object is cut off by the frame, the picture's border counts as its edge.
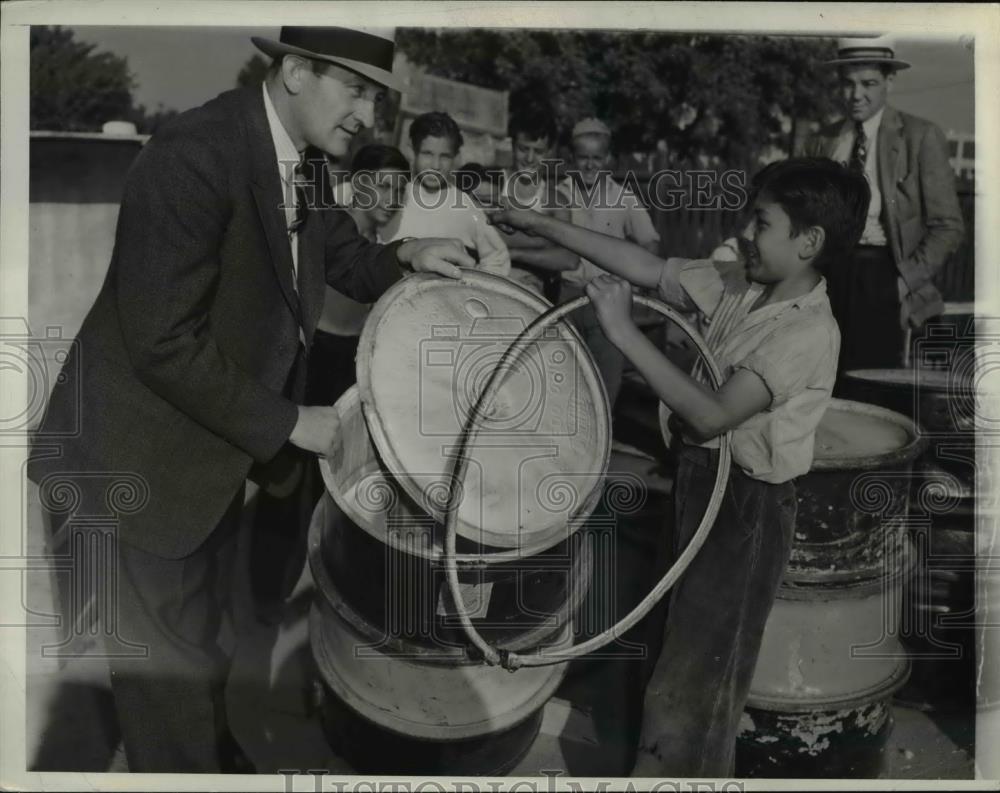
(716, 619)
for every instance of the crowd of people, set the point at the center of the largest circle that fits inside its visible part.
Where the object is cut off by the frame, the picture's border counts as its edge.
(229, 322)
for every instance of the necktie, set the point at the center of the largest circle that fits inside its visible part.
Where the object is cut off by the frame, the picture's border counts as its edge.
(301, 204)
(859, 154)
(299, 181)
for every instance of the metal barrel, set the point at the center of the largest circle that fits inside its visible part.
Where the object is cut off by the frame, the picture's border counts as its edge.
(831, 656)
(939, 628)
(387, 645)
(942, 402)
(852, 504)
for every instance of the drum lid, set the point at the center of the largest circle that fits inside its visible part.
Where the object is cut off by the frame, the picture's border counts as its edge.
(537, 464)
(858, 435)
(924, 379)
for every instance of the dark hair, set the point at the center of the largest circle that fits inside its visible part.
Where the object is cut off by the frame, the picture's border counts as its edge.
(815, 191)
(534, 124)
(378, 157)
(472, 175)
(435, 125)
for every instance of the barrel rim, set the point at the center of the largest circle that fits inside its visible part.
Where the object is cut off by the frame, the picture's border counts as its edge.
(907, 453)
(387, 450)
(438, 732)
(854, 583)
(916, 445)
(873, 376)
(351, 400)
(581, 573)
(875, 693)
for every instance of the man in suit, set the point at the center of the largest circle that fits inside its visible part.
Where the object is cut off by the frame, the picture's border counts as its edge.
(189, 368)
(914, 222)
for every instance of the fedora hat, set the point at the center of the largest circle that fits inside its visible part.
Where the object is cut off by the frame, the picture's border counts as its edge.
(881, 50)
(369, 54)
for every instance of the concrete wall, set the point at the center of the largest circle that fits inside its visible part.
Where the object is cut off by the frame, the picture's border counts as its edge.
(75, 186)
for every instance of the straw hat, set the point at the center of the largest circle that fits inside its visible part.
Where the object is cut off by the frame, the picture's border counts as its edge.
(878, 51)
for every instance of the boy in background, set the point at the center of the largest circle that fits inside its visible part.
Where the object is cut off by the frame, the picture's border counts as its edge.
(600, 204)
(768, 324)
(433, 205)
(373, 196)
(537, 263)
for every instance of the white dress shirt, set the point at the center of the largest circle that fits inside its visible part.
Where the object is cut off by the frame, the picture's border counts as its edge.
(874, 233)
(286, 157)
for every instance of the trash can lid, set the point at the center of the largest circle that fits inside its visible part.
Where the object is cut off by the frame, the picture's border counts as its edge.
(538, 461)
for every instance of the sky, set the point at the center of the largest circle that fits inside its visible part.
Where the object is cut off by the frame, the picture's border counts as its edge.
(184, 67)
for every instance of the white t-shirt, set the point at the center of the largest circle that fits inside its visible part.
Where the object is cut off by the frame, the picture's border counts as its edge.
(449, 213)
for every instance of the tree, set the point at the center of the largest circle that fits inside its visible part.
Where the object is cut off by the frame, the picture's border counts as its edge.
(147, 122)
(253, 72)
(72, 88)
(720, 97)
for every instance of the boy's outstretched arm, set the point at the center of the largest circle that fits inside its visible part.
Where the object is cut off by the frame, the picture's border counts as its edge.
(542, 254)
(626, 259)
(706, 413)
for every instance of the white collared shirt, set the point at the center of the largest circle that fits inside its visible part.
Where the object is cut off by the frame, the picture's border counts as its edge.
(874, 233)
(792, 346)
(286, 157)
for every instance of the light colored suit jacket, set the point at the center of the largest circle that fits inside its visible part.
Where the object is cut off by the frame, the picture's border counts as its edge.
(920, 212)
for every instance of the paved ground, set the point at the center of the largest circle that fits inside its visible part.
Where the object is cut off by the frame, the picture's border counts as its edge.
(588, 728)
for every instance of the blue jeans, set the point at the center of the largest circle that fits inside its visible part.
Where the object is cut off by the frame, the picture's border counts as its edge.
(716, 619)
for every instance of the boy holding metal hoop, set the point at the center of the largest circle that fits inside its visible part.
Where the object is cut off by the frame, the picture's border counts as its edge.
(767, 320)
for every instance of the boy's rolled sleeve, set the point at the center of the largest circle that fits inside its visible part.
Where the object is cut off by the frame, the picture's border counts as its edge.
(789, 359)
(691, 284)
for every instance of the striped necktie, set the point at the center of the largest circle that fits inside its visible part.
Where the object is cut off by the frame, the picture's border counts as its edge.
(859, 154)
(301, 205)
(299, 181)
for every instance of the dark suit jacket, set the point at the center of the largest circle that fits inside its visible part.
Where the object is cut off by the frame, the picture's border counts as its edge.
(179, 373)
(920, 209)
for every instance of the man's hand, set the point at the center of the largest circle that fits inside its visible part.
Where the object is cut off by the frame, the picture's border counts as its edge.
(435, 255)
(612, 300)
(316, 429)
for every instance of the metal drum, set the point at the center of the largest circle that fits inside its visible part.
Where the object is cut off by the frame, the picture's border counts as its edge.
(392, 705)
(384, 557)
(852, 505)
(831, 656)
(401, 692)
(941, 402)
(938, 601)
